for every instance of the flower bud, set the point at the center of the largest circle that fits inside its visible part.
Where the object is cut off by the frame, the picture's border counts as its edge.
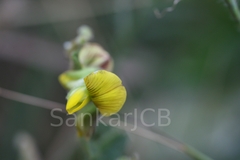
(93, 55)
(74, 78)
(85, 34)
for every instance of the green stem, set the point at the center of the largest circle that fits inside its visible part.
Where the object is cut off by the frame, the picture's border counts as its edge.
(165, 140)
(75, 61)
(86, 145)
(195, 154)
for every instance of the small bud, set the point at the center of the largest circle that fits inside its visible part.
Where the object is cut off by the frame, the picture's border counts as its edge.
(85, 34)
(93, 55)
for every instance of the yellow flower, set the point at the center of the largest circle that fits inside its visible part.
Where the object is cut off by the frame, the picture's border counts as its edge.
(104, 88)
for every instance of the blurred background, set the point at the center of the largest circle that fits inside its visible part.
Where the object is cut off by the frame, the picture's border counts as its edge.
(186, 61)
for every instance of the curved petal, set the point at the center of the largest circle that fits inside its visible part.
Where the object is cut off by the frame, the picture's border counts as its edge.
(101, 82)
(106, 91)
(111, 102)
(71, 78)
(77, 100)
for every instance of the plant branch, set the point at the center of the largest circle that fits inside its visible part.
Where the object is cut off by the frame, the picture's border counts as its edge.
(162, 139)
(31, 100)
(161, 14)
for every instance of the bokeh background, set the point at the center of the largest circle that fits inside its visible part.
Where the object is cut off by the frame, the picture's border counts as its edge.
(186, 61)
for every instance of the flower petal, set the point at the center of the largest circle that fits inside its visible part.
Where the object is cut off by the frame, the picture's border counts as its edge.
(71, 78)
(77, 100)
(111, 102)
(106, 91)
(101, 82)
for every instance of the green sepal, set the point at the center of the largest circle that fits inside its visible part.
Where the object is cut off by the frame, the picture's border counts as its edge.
(75, 62)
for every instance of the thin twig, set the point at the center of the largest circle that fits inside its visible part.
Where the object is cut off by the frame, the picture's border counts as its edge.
(161, 14)
(31, 100)
(162, 139)
(142, 132)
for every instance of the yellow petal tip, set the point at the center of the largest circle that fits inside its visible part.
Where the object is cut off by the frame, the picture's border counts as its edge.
(77, 100)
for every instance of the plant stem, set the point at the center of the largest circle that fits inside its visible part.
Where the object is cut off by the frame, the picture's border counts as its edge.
(159, 138)
(87, 147)
(31, 100)
(164, 140)
(195, 154)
